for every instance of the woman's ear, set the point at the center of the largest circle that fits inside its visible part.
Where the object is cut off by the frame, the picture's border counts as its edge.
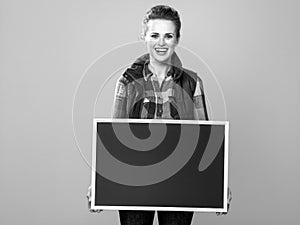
(142, 37)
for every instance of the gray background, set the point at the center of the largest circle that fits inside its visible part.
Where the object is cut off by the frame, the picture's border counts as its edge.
(45, 47)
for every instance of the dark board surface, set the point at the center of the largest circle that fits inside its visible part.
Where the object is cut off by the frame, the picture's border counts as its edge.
(189, 187)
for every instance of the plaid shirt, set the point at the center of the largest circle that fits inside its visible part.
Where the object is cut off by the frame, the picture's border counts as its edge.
(159, 100)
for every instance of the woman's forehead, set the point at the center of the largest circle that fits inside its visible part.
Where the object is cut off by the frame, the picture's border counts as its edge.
(161, 26)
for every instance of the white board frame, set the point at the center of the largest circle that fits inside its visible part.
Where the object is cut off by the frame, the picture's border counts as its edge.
(164, 208)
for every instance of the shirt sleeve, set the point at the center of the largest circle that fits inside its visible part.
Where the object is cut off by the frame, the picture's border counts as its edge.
(120, 100)
(200, 111)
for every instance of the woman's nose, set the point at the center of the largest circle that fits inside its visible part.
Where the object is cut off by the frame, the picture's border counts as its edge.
(161, 41)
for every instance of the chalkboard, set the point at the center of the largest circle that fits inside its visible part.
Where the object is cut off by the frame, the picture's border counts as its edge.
(174, 165)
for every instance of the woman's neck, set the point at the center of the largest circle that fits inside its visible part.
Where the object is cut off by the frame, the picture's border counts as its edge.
(159, 69)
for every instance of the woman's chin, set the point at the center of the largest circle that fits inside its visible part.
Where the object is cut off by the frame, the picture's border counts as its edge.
(162, 59)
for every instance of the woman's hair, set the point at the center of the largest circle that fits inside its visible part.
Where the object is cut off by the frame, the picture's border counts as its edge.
(162, 12)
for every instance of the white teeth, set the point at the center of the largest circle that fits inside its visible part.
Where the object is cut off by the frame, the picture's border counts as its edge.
(161, 49)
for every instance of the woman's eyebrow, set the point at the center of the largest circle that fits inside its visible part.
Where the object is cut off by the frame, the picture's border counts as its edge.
(153, 32)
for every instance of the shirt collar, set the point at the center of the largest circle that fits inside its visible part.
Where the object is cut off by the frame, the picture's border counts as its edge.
(147, 72)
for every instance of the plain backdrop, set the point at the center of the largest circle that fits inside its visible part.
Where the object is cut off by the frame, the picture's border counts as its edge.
(46, 47)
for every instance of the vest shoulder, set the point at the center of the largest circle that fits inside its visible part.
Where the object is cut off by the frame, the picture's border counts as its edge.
(135, 72)
(189, 74)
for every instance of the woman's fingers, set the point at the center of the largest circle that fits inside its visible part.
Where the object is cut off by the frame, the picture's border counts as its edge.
(95, 210)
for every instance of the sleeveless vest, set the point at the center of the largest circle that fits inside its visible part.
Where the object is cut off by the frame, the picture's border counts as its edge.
(184, 87)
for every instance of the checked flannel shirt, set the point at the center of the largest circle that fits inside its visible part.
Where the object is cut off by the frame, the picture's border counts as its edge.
(159, 100)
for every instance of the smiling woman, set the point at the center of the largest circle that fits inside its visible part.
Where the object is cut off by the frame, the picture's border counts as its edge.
(156, 86)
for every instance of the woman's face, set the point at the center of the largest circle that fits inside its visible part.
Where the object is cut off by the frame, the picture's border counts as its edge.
(161, 40)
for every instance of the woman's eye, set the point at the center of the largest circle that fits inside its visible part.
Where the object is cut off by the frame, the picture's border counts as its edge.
(169, 36)
(154, 35)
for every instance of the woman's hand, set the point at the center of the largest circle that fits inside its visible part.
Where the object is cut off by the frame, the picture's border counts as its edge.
(229, 198)
(89, 195)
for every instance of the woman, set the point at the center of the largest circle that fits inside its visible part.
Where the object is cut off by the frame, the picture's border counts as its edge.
(156, 86)
(147, 89)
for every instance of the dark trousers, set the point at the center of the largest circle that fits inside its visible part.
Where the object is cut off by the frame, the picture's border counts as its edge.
(146, 217)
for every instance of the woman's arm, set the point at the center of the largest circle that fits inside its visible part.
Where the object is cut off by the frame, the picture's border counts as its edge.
(200, 112)
(119, 109)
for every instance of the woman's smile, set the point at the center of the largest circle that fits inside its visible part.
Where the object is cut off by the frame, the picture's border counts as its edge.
(161, 51)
